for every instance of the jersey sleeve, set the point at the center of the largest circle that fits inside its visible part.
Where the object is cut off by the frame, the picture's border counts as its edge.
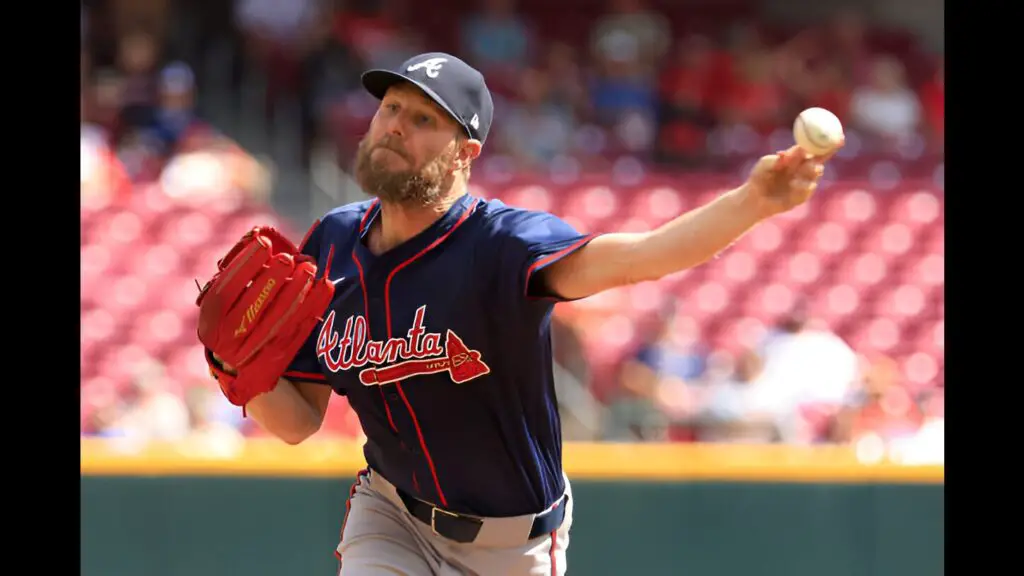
(536, 240)
(305, 367)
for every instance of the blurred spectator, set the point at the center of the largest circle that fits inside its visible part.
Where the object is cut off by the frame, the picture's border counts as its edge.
(568, 350)
(880, 408)
(103, 104)
(102, 174)
(830, 90)
(376, 31)
(175, 113)
(104, 419)
(278, 36)
(737, 409)
(753, 95)
(208, 436)
(333, 68)
(617, 90)
(566, 85)
(496, 39)
(138, 57)
(627, 44)
(808, 371)
(535, 129)
(152, 411)
(655, 384)
(149, 15)
(839, 42)
(84, 26)
(933, 100)
(686, 94)
(928, 445)
(886, 107)
(631, 35)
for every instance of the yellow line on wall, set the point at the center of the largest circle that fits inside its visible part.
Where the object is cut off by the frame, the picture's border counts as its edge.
(582, 461)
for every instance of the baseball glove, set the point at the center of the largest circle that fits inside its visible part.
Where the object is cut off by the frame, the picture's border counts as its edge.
(258, 310)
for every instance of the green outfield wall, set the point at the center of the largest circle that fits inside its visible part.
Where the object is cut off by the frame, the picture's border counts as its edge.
(211, 518)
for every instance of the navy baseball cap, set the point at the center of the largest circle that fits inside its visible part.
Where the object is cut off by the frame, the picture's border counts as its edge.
(454, 85)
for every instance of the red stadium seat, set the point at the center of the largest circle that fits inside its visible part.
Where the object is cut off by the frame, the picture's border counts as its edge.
(613, 336)
(935, 240)
(840, 303)
(529, 197)
(595, 205)
(155, 330)
(96, 261)
(766, 238)
(187, 363)
(917, 209)
(927, 272)
(121, 227)
(891, 241)
(863, 271)
(740, 333)
(122, 363)
(769, 302)
(797, 216)
(179, 293)
(711, 297)
(124, 294)
(921, 371)
(851, 208)
(98, 325)
(657, 205)
(901, 303)
(932, 339)
(880, 335)
(800, 269)
(646, 297)
(189, 231)
(827, 238)
(737, 267)
(155, 262)
(632, 224)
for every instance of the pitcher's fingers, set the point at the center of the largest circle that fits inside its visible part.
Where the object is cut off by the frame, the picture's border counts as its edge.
(802, 190)
(811, 170)
(789, 158)
(834, 151)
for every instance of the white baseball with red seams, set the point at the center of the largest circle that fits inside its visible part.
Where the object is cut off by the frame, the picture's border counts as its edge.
(818, 131)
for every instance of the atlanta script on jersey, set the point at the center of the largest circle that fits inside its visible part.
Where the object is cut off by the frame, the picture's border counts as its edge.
(442, 346)
(418, 352)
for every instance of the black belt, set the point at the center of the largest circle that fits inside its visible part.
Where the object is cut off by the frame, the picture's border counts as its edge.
(464, 529)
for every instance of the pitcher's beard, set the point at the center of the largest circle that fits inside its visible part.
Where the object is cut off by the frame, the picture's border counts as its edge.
(421, 187)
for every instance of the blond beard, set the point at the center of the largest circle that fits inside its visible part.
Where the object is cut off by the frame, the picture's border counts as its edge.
(423, 187)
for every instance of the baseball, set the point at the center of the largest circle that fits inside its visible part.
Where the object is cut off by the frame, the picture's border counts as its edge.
(818, 131)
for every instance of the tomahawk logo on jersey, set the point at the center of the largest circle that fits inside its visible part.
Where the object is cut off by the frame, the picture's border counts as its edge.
(443, 349)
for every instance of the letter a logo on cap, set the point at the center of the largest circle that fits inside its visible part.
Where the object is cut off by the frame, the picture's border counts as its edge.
(431, 65)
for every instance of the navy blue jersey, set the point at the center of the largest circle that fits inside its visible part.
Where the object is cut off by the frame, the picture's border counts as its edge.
(442, 346)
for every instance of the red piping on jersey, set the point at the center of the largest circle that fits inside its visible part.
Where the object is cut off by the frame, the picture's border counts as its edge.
(348, 508)
(554, 544)
(387, 311)
(551, 553)
(366, 217)
(550, 258)
(313, 376)
(302, 245)
(366, 311)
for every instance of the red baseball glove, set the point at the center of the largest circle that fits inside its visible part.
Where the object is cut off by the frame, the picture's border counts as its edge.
(258, 310)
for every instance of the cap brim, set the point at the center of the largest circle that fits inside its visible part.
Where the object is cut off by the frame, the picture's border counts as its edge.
(377, 83)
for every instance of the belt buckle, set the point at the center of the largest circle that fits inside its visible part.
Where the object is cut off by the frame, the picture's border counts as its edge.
(433, 518)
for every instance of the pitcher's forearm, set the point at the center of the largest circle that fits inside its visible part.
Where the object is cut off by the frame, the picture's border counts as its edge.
(694, 237)
(285, 413)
